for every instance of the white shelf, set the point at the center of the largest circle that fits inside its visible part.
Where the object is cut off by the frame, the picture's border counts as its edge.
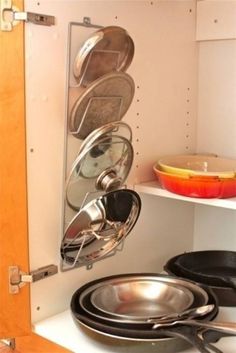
(154, 188)
(62, 330)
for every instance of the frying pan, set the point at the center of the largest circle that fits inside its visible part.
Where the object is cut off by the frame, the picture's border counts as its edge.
(213, 267)
(131, 301)
(142, 332)
(225, 294)
(141, 299)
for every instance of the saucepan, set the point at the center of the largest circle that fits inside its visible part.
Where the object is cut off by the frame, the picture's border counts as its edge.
(84, 313)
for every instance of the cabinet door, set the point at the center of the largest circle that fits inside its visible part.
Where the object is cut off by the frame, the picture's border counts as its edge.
(14, 308)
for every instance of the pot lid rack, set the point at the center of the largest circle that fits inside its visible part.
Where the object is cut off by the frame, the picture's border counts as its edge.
(98, 211)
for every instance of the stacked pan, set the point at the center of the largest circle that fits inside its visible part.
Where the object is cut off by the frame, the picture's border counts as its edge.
(205, 176)
(150, 307)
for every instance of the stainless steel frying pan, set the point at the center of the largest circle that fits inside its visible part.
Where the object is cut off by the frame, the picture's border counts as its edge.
(139, 298)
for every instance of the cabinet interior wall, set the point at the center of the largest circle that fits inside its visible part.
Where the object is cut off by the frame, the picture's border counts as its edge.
(170, 114)
(216, 133)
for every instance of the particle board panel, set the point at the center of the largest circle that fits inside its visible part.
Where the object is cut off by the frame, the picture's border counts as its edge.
(216, 129)
(216, 20)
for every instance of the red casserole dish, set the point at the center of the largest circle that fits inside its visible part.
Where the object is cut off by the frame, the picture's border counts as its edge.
(197, 186)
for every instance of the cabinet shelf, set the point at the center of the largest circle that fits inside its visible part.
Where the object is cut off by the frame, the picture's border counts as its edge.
(154, 188)
(62, 330)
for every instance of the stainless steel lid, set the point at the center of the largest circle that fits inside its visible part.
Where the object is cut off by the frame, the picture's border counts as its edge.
(99, 227)
(108, 49)
(105, 100)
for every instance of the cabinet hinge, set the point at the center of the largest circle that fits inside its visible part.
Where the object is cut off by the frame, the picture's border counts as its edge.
(8, 342)
(18, 279)
(10, 16)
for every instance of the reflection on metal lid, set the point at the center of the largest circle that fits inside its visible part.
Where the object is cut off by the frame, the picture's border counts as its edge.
(109, 49)
(105, 100)
(99, 227)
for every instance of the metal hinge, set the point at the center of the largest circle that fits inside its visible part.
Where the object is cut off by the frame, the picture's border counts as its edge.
(8, 342)
(10, 16)
(18, 279)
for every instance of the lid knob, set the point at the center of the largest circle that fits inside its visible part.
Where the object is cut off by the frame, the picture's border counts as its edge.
(108, 180)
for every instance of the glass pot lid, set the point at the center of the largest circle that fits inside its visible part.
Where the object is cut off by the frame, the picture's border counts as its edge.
(106, 50)
(102, 164)
(99, 227)
(105, 100)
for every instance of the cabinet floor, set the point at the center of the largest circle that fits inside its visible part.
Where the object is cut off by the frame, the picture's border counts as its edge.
(63, 330)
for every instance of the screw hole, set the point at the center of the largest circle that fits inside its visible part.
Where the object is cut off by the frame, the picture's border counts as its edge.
(38, 308)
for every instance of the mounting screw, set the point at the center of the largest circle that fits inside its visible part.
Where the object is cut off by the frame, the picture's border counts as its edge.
(87, 21)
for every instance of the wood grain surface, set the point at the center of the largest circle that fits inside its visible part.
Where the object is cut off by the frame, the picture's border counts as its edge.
(14, 309)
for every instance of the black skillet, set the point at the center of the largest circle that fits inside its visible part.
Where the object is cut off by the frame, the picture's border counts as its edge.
(144, 331)
(214, 268)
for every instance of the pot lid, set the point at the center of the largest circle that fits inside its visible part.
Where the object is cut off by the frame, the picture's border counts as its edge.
(105, 100)
(99, 227)
(108, 49)
(103, 163)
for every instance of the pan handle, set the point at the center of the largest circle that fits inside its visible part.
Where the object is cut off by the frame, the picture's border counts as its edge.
(212, 336)
(225, 327)
(191, 335)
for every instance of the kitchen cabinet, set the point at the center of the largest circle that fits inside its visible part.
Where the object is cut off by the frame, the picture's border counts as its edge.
(184, 71)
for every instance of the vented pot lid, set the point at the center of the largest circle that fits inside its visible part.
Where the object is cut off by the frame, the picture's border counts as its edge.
(108, 49)
(103, 163)
(99, 227)
(105, 100)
